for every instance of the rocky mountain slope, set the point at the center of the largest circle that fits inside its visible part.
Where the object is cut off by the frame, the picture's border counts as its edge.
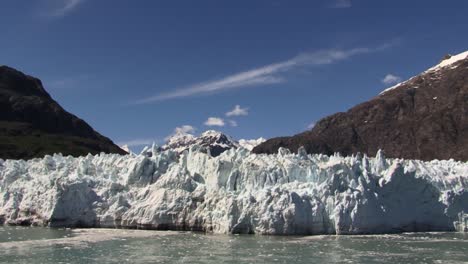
(423, 118)
(32, 124)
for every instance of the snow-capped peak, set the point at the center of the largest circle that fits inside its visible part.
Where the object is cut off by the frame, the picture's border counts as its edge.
(180, 138)
(449, 61)
(219, 137)
(212, 133)
(179, 142)
(214, 141)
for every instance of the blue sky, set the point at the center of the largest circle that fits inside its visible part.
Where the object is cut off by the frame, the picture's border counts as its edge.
(137, 70)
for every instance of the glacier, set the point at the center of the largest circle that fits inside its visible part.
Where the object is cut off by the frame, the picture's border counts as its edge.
(237, 192)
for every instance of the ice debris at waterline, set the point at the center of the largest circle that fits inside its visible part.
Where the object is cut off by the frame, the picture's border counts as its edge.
(236, 192)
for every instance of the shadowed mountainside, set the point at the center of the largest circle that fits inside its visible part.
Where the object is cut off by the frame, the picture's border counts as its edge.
(32, 124)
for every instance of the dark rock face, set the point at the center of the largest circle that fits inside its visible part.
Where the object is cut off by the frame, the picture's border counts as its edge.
(32, 124)
(424, 118)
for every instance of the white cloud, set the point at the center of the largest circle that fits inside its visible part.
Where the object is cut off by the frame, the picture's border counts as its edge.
(391, 79)
(214, 121)
(60, 8)
(268, 74)
(67, 83)
(182, 130)
(238, 111)
(311, 125)
(137, 142)
(342, 4)
(250, 144)
(185, 129)
(232, 123)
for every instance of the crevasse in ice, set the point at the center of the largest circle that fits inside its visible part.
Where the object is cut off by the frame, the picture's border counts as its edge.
(236, 192)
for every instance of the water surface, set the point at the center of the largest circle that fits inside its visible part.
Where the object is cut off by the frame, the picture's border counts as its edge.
(46, 245)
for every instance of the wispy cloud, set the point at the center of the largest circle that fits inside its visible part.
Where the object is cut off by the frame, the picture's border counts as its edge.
(232, 123)
(265, 75)
(66, 83)
(310, 126)
(182, 130)
(391, 79)
(185, 129)
(61, 8)
(137, 142)
(238, 111)
(214, 121)
(341, 4)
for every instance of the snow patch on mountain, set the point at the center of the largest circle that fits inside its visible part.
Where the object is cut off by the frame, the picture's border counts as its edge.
(450, 61)
(398, 85)
(236, 192)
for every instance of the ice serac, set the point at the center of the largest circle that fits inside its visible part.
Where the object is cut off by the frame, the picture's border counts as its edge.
(237, 192)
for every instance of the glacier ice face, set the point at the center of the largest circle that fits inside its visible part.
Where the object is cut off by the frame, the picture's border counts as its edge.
(236, 192)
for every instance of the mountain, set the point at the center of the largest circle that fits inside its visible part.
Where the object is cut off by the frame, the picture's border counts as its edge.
(32, 124)
(214, 141)
(425, 118)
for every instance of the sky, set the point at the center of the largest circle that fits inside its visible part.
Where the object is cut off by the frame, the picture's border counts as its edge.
(139, 71)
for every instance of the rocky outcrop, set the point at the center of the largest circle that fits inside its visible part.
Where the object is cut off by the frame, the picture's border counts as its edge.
(32, 124)
(423, 118)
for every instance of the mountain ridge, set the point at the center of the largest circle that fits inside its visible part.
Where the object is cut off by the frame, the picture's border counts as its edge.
(33, 124)
(422, 118)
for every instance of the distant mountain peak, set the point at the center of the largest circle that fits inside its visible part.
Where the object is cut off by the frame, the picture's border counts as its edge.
(212, 133)
(213, 141)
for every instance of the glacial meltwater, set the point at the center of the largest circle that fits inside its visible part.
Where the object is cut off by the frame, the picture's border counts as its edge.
(47, 245)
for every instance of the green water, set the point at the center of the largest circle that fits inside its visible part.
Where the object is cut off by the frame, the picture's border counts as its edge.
(44, 245)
